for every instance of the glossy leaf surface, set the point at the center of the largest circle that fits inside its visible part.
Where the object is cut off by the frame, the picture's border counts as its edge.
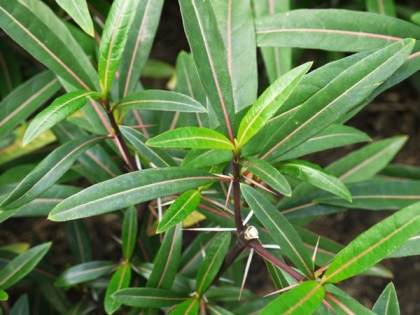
(374, 244)
(129, 189)
(215, 254)
(192, 137)
(38, 30)
(60, 109)
(114, 38)
(119, 280)
(269, 103)
(336, 30)
(304, 299)
(20, 266)
(280, 229)
(316, 176)
(188, 307)
(179, 210)
(161, 100)
(48, 171)
(268, 174)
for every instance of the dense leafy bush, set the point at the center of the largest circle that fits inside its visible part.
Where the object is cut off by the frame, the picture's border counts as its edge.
(221, 155)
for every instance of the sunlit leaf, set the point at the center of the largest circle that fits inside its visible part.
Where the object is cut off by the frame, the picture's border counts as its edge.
(60, 109)
(374, 244)
(188, 307)
(129, 189)
(79, 11)
(192, 137)
(120, 280)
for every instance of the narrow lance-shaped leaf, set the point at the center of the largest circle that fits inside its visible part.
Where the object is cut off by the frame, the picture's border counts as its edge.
(10, 76)
(20, 266)
(38, 30)
(21, 306)
(84, 272)
(60, 109)
(410, 248)
(114, 38)
(280, 230)
(316, 176)
(139, 43)
(148, 297)
(129, 232)
(336, 30)
(119, 280)
(269, 103)
(373, 245)
(48, 171)
(201, 158)
(25, 99)
(215, 254)
(364, 163)
(179, 210)
(377, 195)
(338, 97)
(387, 303)
(236, 26)
(304, 299)
(79, 12)
(188, 307)
(78, 240)
(342, 303)
(192, 137)
(277, 60)
(268, 174)
(210, 57)
(167, 260)
(161, 100)
(157, 156)
(129, 189)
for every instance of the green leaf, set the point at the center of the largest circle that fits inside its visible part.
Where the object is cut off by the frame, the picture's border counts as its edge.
(269, 103)
(410, 248)
(210, 57)
(148, 297)
(84, 272)
(331, 137)
(192, 137)
(20, 266)
(25, 99)
(384, 7)
(268, 174)
(48, 171)
(336, 30)
(373, 245)
(236, 25)
(120, 280)
(387, 303)
(217, 310)
(277, 60)
(3, 295)
(38, 30)
(201, 158)
(378, 195)
(188, 307)
(179, 210)
(129, 232)
(10, 76)
(79, 12)
(366, 162)
(129, 189)
(60, 109)
(338, 97)
(156, 156)
(304, 299)
(114, 38)
(21, 306)
(344, 304)
(139, 44)
(209, 267)
(167, 260)
(161, 100)
(280, 230)
(316, 176)
(78, 240)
